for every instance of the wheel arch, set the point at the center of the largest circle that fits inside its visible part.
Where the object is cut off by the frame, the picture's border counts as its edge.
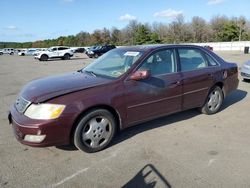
(105, 107)
(44, 54)
(221, 85)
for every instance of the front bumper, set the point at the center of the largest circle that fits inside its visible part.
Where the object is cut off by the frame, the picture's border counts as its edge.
(245, 73)
(90, 55)
(57, 132)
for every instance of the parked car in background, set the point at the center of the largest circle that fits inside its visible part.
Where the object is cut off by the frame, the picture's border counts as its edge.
(124, 87)
(39, 50)
(208, 47)
(9, 51)
(62, 52)
(78, 49)
(99, 50)
(28, 52)
(245, 71)
(88, 49)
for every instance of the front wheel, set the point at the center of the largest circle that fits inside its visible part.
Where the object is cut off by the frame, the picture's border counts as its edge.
(66, 57)
(213, 101)
(44, 57)
(95, 131)
(96, 56)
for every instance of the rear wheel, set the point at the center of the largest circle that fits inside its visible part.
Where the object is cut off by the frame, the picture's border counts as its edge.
(95, 131)
(96, 56)
(44, 57)
(213, 102)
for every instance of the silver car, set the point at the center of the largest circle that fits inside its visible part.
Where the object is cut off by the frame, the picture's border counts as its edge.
(245, 71)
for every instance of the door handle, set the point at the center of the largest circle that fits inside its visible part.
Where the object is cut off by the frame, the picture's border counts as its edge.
(176, 83)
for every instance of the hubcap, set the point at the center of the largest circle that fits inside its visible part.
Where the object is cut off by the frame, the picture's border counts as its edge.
(214, 101)
(96, 132)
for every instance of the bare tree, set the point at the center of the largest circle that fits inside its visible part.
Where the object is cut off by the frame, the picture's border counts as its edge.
(106, 36)
(199, 29)
(241, 24)
(161, 30)
(179, 31)
(217, 24)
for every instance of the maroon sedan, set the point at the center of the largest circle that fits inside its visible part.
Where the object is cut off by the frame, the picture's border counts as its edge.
(124, 87)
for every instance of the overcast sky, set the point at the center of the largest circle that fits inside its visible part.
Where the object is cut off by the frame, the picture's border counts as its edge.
(30, 20)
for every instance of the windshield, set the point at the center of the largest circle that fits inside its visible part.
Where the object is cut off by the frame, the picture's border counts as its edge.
(113, 63)
(97, 47)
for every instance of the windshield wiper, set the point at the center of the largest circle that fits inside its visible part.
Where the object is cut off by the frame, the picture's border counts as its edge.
(91, 72)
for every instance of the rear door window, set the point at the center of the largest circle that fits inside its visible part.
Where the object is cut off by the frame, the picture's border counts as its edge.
(62, 48)
(211, 61)
(191, 59)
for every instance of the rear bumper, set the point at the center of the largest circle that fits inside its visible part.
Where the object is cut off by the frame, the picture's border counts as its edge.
(56, 131)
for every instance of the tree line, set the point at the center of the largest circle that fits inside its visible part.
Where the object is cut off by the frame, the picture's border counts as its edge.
(218, 29)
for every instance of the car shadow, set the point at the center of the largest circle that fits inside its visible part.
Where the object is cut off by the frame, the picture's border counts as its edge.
(153, 124)
(148, 177)
(233, 98)
(246, 80)
(70, 147)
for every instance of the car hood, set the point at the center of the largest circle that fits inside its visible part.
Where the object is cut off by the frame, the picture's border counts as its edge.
(46, 88)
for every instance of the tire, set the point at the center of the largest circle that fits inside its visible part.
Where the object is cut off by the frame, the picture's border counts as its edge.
(95, 131)
(11, 53)
(213, 101)
(22, 54)
(66, 57)
(1, 53)
(96, 56)
(44, 57)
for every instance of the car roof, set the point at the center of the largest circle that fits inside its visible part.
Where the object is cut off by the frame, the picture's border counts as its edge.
(59, 46)
(144, 48)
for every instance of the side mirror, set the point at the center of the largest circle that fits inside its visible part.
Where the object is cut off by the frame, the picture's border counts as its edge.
(140, 75)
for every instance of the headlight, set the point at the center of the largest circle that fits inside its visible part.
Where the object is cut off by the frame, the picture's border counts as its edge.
(44, 111)
(246, 66)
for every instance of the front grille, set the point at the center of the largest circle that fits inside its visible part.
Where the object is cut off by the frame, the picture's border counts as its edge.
(21, 104)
